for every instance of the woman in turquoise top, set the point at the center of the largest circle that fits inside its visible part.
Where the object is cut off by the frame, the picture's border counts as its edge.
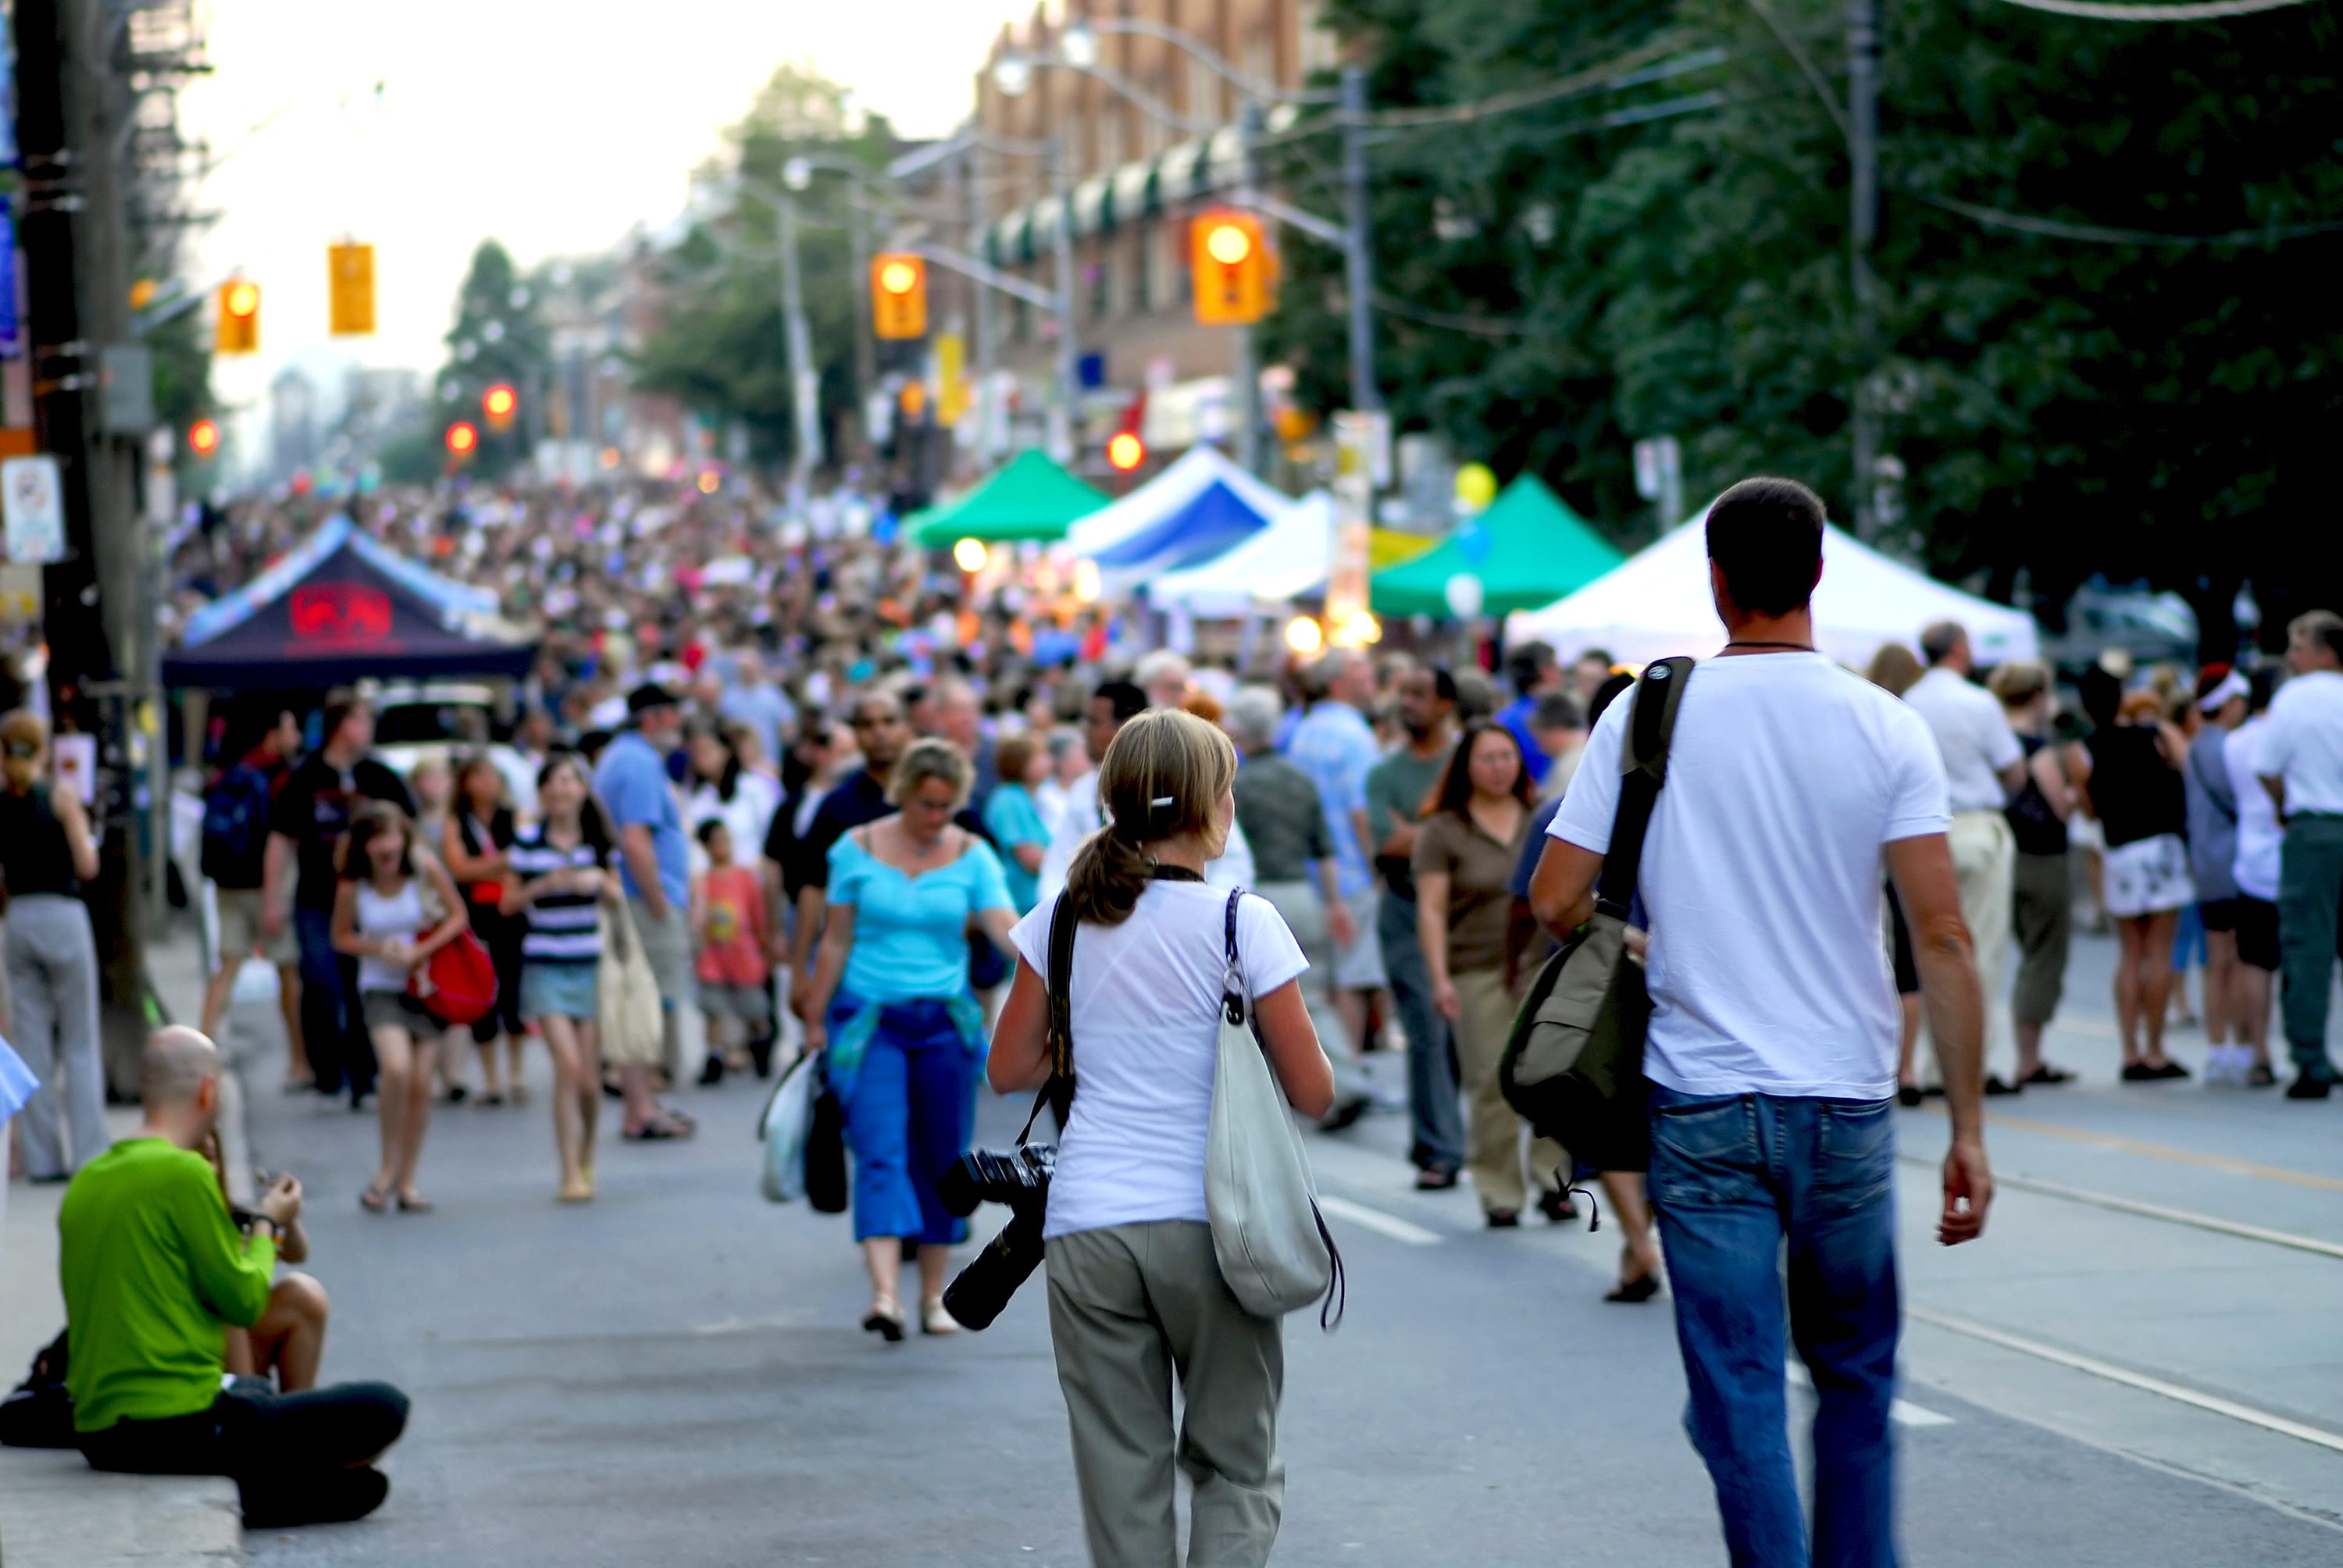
(1014, 819)
(891, 1005)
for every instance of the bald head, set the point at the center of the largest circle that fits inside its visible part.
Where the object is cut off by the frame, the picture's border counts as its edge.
(175, 1067)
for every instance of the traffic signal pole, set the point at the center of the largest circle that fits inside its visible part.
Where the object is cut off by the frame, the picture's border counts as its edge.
(1245, 367)
(1358, 241)
(67, 97)
(805, 386)
(1061, 411)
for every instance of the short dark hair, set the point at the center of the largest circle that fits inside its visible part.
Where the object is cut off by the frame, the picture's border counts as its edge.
(1555, 710)
(1444, 683)
(2319, 626)
(340, 704)
(708, 828)
(1612, 690)
(1128, 700)
(1527, 661)
(1938, 639)
(1766, 537)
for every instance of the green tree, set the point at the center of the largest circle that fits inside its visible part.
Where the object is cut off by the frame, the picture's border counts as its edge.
(2064, 400)
(498, 337)
(719, 345)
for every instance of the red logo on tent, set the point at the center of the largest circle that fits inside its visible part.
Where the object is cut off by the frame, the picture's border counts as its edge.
(340, 613)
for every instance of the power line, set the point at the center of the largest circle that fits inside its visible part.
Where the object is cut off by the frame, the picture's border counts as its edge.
(2055, 229)
(2210, 11)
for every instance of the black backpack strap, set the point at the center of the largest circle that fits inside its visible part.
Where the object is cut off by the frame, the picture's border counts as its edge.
(1232, 986)
(1643, 759)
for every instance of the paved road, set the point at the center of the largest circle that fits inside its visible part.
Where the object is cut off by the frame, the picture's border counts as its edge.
(673, 1376)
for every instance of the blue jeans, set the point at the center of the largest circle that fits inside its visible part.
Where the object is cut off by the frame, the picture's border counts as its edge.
(1435, 1121)
(340, 1051)
(1733, 1177)
(912, 1114)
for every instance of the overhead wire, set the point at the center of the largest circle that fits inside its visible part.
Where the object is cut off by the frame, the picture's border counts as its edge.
(2206, 11)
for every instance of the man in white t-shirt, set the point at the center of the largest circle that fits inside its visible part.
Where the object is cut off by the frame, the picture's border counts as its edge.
(2255, 870)
(2300, 762)
(1983, 766)
(1773, 1037)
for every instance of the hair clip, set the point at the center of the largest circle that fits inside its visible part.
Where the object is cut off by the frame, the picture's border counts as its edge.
(1160, 802)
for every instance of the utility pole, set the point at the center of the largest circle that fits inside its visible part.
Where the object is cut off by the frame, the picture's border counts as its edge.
(866, 358)
(972, 173)
(805, 386)
(1862, 232)
(77, 297)
(1358, 245)
(1246, 370)
(1061, 412)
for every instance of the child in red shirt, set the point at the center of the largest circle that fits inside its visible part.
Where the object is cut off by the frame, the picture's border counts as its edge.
(734, 966)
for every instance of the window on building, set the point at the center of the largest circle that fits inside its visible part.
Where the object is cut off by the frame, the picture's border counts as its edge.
(1146, 280)
(1203, 93)
(1020, 319)
(1100, 275)
(1109, 141)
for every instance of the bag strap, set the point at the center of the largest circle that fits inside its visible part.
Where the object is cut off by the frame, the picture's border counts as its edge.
(1233, 986)
(1643, 759)
(1058, 1094)
(2224, 798)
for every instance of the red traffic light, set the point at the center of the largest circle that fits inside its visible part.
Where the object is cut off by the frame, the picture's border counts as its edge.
(462, 438)
(202, 437)
(1125, 451)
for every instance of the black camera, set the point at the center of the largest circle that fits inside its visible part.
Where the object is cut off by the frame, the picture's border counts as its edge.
(1019, 1178)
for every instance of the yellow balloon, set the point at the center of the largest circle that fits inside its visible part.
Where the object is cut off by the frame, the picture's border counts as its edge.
(1476, 487)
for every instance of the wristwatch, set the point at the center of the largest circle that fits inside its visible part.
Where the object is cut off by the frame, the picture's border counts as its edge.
(276, 1231)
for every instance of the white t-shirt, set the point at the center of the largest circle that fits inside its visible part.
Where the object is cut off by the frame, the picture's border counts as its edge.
(1761, 873)
(1146, 1017)
(2258, 834)
(1973, 736)
(2304, 743)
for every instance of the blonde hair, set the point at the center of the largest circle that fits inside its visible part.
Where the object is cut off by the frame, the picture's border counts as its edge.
(2019, 681)
(1162, 777)
(18, 730)
(931, 759)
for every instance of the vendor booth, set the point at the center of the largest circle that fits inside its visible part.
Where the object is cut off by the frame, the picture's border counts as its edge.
(1529, 549)
(1028, 498)
(1659, 604)
(339, 606)
(1287, 560)
(1200, 507)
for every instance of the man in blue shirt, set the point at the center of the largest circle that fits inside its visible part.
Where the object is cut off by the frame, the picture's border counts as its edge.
(1335, 747)
(653, 863)
(1533, 672)
(752, 700)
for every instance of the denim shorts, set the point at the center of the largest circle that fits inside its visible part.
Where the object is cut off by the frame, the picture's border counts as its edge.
(558, 990)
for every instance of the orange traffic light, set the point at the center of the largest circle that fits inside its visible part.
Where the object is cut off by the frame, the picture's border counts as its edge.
(349, 285)
(1125, 451)
(462, 439)
(202, 437)
(239, 319)
(498, 403)
(1231, 263)
(899, 295)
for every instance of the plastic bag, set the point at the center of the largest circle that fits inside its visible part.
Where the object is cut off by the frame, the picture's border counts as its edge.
(789, 1115)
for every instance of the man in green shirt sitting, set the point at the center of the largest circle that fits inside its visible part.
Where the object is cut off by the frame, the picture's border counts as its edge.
(155, 1271)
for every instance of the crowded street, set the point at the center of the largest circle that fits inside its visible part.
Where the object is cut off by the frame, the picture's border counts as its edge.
(1480, 1403)
(1371, 783)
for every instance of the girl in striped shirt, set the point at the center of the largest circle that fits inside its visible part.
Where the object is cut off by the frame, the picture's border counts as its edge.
(557, 871)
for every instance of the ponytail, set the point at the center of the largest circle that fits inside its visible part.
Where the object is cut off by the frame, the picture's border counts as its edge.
(1162, 776)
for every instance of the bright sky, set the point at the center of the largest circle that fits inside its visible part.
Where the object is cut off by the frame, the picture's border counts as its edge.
(554, 125)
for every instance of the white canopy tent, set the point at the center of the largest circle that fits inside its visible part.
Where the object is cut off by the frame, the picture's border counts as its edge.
(1287, 559)
(1657, 603)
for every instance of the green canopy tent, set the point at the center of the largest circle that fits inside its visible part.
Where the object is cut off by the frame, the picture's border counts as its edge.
(1528, 550)
(1030, 498)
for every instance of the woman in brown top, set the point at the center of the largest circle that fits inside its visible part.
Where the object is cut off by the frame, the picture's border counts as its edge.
(1473, 826)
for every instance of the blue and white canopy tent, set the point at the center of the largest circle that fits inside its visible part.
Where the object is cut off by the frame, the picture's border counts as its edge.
(341, 607)
(1202, 506)
(1289, 559)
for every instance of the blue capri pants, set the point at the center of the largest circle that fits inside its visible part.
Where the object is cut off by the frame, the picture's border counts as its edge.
(910, 1115)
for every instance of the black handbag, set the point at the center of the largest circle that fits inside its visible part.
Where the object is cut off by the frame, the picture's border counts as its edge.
(39, 1412)
(825, 1188)
(1573, 1064)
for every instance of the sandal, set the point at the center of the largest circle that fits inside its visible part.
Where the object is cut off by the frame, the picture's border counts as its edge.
(661, 1130)
(2044, 1074)
(935, 1320)
(375, 1200)
(884, 1319)
(579, 1192)
(417, 1204)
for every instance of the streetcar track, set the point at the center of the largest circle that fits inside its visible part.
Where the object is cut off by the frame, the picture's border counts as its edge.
(2158, 1211)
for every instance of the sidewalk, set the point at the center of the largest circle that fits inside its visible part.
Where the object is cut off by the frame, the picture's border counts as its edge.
(55, 1511)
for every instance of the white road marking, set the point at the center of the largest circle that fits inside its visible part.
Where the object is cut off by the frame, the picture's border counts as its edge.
(1391, 1225)
(1902, 1412)
(2129, 1378)
(2154, 1210)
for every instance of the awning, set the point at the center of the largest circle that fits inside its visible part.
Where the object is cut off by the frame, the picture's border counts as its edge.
(1090, 204)
(1029, 498)
(1527, 549)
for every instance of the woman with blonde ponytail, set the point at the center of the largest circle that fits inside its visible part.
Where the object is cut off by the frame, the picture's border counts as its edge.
(51, 954)
(1134, 1288)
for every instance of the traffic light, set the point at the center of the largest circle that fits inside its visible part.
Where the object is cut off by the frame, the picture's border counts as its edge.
(498, 403)
(349, 281)
(239, 319)
(899, 295)
(1125, 451)
(203, 438)
(463, 439)
(1231, 264)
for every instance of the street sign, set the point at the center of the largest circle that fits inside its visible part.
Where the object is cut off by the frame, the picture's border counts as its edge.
(33, 509)
(1659, 476)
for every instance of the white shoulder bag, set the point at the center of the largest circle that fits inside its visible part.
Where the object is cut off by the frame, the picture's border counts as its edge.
(1268, 1236)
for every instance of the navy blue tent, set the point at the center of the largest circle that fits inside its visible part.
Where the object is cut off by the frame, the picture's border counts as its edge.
(339, 606)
